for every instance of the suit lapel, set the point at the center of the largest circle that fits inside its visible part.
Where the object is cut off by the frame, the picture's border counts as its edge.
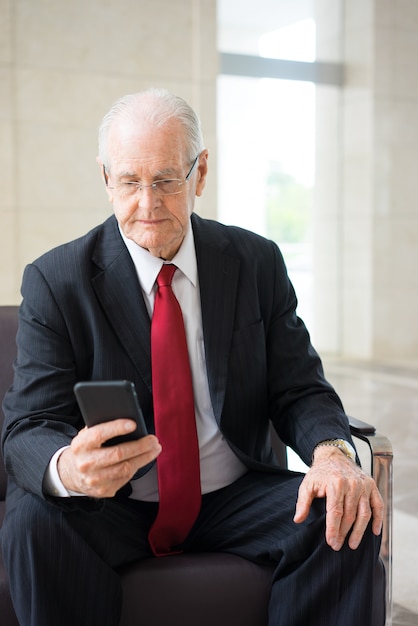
(119, 292)
(218, 279)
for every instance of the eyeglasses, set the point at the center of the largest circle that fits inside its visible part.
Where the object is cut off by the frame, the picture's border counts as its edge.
(166, 187)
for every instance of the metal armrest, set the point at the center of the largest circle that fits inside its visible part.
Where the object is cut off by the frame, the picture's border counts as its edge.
(382, 471)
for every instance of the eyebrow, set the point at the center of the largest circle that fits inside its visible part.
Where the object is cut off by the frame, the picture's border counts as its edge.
(169, 171)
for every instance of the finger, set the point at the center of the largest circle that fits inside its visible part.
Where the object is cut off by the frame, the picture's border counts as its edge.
(95, 459)
(100, 433)
(303, 504)
(105, 481)
(364, 514)
(378, 511)
(109, 468)
(141, 451)
(354, 510)
(370, 506)
(334, 531)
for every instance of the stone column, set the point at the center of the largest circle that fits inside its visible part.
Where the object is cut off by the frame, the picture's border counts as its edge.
(367, 182)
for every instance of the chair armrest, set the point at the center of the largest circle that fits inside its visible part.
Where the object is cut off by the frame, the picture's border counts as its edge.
(359, 427)
(382, 471)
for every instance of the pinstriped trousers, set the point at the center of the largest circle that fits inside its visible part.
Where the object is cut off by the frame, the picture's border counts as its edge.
(61, 557)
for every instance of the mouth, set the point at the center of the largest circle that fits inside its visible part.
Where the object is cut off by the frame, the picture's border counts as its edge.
(151, 222)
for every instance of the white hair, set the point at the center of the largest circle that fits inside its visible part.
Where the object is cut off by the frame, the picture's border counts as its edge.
(156, 106)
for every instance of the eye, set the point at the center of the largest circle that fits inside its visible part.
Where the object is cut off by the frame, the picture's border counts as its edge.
(130, 187)
(170, 185)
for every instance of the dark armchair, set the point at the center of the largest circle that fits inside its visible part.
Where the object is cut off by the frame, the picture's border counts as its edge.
(212, 588)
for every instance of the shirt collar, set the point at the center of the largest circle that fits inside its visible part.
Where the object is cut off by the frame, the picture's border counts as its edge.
(148, 266)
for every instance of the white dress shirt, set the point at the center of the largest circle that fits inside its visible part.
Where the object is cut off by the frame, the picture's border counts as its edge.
(219, 466)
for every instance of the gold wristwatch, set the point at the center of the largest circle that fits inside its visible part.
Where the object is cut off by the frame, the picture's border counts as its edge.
(342, 444)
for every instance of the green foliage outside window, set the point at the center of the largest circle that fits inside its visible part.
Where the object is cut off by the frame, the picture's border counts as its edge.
(288, 207)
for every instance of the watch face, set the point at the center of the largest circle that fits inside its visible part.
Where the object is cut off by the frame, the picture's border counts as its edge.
(347, 448)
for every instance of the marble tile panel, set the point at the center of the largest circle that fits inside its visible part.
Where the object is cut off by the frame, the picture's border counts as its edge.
(7, 95)
(396, 252)
(203, 100)
(405, 54)
(58, 165)
(394, 318)
(329, 15)
(357, 179)
(9, 294)
(405, 122)
(325, 330)
(327, 191)
(328, 48)
(357, 258)
(39, 230)
(386, 111)
(328, 116)
(358, 129)
(358, 57)
(356, 330)
(384, 60)
(8, 180)
(405, 14)
(6, 27)
(125, 37)
(56, 96)
(51, 96)
(385, 13)
(204, 45)
(404, 180)
(359, 14)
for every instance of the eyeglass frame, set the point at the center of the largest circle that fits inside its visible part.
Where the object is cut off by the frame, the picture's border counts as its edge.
(154, 185)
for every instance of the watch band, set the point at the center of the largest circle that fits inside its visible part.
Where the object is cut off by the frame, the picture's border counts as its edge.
(342, 445)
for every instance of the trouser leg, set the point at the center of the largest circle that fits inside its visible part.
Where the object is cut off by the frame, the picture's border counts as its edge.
(61, 561)
(323, 587)
(312, 584)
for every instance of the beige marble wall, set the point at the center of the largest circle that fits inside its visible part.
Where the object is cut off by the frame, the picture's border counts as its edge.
(367, 182)
(62, 64)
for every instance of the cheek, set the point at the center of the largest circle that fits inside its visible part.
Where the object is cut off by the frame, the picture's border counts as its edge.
(123, 212)
(183, 212)
(181, 219)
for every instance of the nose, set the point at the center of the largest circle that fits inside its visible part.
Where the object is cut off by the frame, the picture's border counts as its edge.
(148, 198)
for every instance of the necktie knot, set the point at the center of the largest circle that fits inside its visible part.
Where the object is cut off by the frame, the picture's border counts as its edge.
(166, 274)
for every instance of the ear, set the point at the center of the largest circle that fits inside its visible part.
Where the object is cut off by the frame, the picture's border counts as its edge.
(202, 170)
(104, 178)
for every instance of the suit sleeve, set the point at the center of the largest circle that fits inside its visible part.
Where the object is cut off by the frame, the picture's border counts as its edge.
(304, 407)
(40, 408)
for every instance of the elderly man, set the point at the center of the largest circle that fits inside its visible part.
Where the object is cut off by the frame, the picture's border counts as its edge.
(97, 309)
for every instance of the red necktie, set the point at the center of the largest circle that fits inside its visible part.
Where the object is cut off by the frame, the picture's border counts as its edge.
(175, 424)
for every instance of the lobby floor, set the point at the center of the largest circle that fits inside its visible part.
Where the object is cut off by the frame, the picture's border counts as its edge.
(387, 396)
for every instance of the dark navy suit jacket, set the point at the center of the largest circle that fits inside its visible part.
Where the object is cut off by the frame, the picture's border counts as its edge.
(83, 317)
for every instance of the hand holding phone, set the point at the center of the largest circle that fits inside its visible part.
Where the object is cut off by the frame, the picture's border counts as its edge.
(104, 401)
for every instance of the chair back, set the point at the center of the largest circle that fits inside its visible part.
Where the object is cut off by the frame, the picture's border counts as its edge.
(8, 329)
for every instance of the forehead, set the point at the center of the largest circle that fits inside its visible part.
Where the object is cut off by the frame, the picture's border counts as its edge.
(144, 147)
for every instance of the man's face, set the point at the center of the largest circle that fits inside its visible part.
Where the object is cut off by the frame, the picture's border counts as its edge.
(145, 155)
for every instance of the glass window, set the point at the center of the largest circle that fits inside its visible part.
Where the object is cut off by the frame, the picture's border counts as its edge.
(242, 23)
(266, 134)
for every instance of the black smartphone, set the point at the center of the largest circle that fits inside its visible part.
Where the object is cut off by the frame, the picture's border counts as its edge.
(106, 400)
